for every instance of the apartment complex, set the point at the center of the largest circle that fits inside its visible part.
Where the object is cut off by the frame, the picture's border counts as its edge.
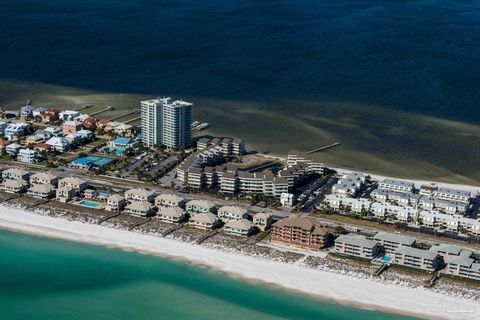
(166, 122)
(300, 232)
(392, 242)
(356, 245)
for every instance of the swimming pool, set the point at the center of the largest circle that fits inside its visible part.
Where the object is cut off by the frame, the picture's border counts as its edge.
(90, 204)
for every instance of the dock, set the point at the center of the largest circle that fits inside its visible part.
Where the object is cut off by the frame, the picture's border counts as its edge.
(132, 120)
(139, 223)
(109, 108)
(116, 214)
(84, 107)
(324, 148)
(124, 115)
(208, 235)
(172, 229)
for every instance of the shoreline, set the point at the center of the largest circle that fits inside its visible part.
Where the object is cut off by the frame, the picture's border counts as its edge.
(331, 287)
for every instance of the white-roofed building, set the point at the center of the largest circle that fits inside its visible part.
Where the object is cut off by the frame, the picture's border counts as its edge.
(239, 227)
(27, 156)
(418, 258)
(194, 207)
(356, 245)
(59, 144)
(232, 213)
(15, 186)
(44, 178)
(15, 174)
(74, 183)
(391, 241)
(43, 191)
(139, 208)
(171, 214)
(452, 194)
(169, 200)
(115, 202)
(142, 195)
(263, 220)
(204, 221)
(396, 185)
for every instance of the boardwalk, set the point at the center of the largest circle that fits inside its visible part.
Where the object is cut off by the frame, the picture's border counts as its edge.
(116, 214)
(324, 148)
(139, 223)
(208, 235)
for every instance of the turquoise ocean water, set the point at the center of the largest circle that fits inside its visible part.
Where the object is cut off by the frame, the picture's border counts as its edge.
(44, 278)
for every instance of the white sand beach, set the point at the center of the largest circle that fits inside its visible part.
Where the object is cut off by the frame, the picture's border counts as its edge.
(336, 287)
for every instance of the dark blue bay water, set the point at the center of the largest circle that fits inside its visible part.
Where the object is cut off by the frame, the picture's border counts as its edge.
(420, 56)
(50, 279)
(396, 82)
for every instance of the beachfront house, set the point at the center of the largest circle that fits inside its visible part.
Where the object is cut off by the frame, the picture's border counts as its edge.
(169, 200)
(115, 202)
(204, 221)
(74, 183)
(263, 220)
(356, 246)
(15, 186)
(226, 213)
(300, 232)
(44, 178)
(43, 191)
(171, 214)
(15, 174)
(194, 207)
(65, 194)
(27, 156)
(140, 208)
(242, 227)
(141, 195)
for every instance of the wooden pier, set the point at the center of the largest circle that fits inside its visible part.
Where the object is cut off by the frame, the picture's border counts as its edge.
(172, 229)
(380, 270)
(109, 108)
(139, 223)
(433, 279)
(132, 120)
(324, 148)
(208, 235)
(124, 115)
(116, 214)
(84, 107)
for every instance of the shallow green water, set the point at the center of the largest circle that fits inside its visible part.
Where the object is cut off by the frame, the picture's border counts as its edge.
(50, 279)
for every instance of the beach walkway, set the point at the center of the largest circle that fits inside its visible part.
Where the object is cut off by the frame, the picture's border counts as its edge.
(139, 223)
(116, 214)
